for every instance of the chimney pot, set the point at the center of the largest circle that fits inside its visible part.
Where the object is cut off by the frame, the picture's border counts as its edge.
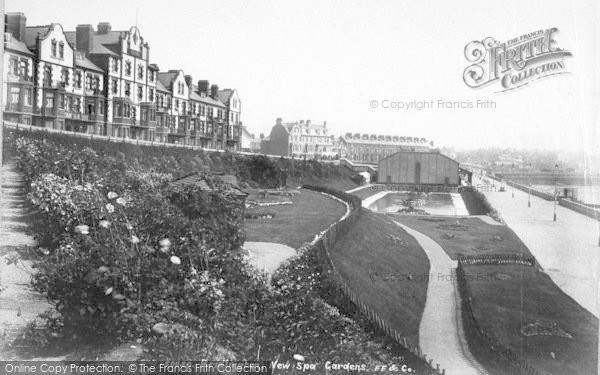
(104, 27)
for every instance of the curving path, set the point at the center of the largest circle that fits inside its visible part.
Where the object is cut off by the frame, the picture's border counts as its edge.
(267, 256)
(441, 335)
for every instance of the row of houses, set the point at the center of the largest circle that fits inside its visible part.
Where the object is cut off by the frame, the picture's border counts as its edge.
(312, 140)
(101, 81)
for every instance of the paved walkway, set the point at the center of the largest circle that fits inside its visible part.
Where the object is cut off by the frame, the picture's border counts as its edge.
(567, 249)
(19, 304)
(268, 256)
(441, 335)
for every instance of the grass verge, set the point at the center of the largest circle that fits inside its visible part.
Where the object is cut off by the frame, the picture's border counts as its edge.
(467, 236)
(296, 224)
(375, 259)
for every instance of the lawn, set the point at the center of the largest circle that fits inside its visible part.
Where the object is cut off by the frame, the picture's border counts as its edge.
(376, 259)
(296, 224)
(505, 298)
(472, 236)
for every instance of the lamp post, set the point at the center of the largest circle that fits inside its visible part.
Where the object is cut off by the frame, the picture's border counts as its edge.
(555, 193)
(529, 185)
(513, 184)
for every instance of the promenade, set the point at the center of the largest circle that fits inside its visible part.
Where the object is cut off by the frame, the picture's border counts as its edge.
(567, 249)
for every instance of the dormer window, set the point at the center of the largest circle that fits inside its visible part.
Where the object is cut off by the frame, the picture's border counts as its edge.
(61, 50)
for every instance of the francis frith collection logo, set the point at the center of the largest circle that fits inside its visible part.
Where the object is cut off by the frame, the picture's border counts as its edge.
(514, 63)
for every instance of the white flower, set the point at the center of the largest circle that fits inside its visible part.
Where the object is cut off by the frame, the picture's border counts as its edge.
(110, 208)
(135, 239)
(121, 201)
(129, 226)
(299, 357)
(108, 291)
(112, 195)
(83, 229)
(165, 242)
(175, 259)
(104, 223)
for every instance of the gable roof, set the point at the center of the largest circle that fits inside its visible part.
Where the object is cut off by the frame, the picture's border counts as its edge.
(419, 153)
(86, 63)
(161, 87)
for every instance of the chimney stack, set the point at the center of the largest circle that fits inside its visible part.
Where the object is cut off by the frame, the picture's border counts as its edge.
(214, 90)
(84, 37)
(16, 24)
(278, 121)
(203, 86)
(104, 27)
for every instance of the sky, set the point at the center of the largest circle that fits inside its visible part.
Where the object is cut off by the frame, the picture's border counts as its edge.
(327, 60)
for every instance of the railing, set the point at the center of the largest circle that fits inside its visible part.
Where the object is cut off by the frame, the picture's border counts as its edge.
(19, 78)
(326, 242)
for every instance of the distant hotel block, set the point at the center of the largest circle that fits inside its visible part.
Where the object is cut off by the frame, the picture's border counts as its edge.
(299, 139)
(370, 148)
(102, 82)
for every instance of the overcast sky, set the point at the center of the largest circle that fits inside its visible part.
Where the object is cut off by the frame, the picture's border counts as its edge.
(327, 60)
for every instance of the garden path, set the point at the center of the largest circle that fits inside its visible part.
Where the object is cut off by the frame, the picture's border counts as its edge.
(441, 334)
(268, 256)
(19, 304)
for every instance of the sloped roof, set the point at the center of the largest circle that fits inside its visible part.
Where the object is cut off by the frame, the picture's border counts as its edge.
(98, 41)
(31, 33)
(195, 95)
(85, 63)
(17, 46)
(161, 87)
(224, 95)
(166, 78)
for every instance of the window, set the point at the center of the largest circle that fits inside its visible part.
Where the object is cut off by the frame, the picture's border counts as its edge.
(140, 92)
(184, 106)
(115, 65)
(47, 75)
(151, 76)
(61, 101)
(177, 104)
(128, 68)
(78, 80)
(202, 110)
(77, 105)
(64, 76)
(115, 86)
(61, 50)
(88, 81)
(15, 94)
(70, 103)
(96, 83)
(54, 46)
(140, 71)
(13, 66)
(49, 100)
(28, 97)
(127, 89)
(151, 95)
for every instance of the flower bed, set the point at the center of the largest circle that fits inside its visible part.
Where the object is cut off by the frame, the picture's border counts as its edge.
(128, 258)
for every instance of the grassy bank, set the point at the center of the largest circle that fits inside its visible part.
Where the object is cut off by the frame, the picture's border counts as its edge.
(376, 260)
(508, 300)
(309, 214)
(471, 236)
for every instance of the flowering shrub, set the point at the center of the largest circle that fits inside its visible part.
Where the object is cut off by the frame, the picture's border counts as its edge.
(126, 254)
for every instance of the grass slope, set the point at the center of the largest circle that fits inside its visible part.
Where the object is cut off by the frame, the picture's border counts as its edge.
(507, 297)
(472, 237)
(295, 224)
(376, 268)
